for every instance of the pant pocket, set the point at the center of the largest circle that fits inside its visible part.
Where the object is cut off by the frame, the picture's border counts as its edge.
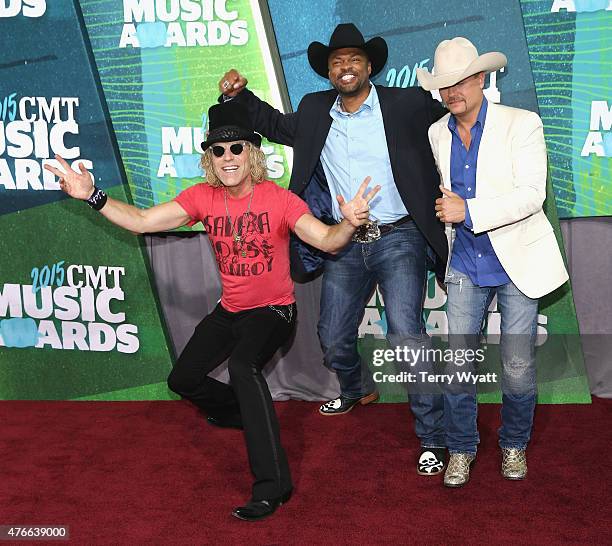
(453, 276)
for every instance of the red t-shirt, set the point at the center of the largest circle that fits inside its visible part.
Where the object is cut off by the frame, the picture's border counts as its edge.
(262, 276)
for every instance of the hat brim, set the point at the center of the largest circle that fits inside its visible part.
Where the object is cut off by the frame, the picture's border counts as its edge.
(487, 62)
(376, 49)
(231, 134)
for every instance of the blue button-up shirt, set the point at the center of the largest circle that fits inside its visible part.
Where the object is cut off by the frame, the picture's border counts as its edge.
(356, 147)
(472, 254)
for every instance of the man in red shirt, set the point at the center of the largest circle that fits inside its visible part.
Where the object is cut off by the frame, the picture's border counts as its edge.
(248, 220)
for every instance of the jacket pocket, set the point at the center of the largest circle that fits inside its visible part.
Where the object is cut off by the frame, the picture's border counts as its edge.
(535, 228)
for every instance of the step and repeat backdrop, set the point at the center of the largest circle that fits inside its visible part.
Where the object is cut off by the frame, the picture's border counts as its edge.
(124, 87)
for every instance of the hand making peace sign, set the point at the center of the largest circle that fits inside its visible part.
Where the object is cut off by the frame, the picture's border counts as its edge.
(77, 185)
(357, 210)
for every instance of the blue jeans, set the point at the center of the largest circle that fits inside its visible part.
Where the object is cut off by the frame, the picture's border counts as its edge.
(466, 309)
(397, 263)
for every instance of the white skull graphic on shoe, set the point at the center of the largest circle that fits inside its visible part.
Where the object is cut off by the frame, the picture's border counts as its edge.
(429, 463)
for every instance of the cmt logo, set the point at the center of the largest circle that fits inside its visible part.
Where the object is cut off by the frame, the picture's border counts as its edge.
(29, 8)
(599, 139)
(581, 6)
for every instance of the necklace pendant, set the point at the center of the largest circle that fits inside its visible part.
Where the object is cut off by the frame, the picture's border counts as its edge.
(243, 253)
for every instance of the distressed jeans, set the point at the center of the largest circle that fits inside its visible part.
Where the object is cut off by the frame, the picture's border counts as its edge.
(397, 263)
(467, 305)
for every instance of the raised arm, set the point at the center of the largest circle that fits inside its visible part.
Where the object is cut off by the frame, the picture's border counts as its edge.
(331, 239)
(79, 185)
(268, 121)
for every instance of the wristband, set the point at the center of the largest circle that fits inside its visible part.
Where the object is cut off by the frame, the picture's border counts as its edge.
(98, 199)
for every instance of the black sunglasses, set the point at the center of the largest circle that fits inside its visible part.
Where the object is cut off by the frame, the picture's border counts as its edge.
(236, 149)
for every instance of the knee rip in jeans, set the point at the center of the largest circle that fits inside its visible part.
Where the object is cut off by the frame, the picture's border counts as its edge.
(516, 367)
(518, 378)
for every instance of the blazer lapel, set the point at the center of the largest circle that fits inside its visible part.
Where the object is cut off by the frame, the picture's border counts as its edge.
(389, 121)
(444, 154)
(319, 123)
(486, 152)
(322, 126)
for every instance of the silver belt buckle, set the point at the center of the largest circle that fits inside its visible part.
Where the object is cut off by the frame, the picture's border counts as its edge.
(367, 233)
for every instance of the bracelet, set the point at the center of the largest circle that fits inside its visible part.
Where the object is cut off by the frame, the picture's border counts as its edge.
(98, 199)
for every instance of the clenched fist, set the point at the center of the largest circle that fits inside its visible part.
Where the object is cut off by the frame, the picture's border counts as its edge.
(232, 83)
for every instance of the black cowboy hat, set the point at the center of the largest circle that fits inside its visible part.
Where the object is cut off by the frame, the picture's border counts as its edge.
(229, 121)
(347, 35)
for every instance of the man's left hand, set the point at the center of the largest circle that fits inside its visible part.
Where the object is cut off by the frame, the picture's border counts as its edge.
(450, 208)
(357, 210)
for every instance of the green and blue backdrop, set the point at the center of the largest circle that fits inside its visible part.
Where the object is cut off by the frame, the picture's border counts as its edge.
(124, 86)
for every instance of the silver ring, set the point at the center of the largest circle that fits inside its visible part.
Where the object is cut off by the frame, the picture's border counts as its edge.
(226, 84)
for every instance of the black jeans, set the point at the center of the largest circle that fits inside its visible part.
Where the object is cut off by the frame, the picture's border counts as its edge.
(250, 339)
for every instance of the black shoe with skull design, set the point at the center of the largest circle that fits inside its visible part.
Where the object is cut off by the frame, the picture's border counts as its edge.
(431, 461)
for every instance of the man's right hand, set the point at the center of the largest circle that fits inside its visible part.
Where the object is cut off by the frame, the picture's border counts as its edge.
(232, 83)
(76, 184)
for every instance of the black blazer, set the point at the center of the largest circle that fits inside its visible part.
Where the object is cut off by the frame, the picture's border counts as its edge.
(407, 115)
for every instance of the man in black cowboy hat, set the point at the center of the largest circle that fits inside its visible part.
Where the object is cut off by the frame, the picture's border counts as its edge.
(339, 136)
(248, 220)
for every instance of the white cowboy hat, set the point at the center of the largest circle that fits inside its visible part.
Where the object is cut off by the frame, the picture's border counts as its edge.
(455, 60)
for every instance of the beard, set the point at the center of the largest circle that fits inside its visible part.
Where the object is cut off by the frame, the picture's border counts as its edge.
(352, 89)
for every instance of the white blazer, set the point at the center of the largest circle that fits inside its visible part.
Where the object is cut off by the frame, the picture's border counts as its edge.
(510, 190)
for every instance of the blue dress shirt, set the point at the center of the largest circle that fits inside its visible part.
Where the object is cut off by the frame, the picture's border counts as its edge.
(472, 254)
(356, 147)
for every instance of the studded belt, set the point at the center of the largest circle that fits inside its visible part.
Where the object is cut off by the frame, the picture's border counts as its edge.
(373, 231)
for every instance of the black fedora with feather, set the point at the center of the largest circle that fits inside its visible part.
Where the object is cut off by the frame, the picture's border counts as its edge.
(347, 35)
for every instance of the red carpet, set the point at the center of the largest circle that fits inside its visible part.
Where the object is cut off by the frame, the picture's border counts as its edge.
(156, 473)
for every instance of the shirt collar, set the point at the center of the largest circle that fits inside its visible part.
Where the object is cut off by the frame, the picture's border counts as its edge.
(370, 102)
(480, 120)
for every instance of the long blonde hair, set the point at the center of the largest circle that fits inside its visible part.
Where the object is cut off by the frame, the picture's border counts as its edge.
(257, 161)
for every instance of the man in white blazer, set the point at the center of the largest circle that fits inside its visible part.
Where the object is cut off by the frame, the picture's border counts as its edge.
(493, 167)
